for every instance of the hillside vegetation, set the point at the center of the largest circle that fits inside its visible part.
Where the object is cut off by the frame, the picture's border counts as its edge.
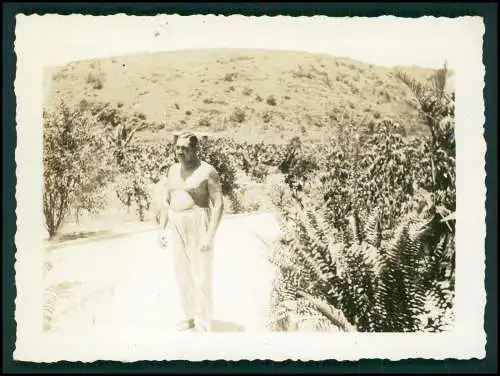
(249, 95)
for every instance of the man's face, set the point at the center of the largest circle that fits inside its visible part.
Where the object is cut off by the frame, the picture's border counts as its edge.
(184, 151)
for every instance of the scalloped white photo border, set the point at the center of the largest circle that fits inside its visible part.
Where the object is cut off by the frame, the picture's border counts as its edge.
(38, 41)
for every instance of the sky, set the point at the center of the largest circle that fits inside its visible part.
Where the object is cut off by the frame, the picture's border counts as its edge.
(387, 41)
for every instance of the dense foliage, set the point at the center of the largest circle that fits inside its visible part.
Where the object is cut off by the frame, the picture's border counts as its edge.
(367, 242)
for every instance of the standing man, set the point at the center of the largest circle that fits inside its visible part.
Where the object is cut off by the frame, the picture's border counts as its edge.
(191, 216)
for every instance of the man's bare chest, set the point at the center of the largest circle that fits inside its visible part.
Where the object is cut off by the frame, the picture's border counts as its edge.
(195, 181)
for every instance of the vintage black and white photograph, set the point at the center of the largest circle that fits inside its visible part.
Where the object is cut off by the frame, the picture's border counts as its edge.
(252, 177)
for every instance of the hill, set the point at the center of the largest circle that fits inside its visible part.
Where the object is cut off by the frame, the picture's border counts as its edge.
(247, 94)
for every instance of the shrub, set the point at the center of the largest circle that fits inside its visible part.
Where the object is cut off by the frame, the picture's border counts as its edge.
(98, 84)
(267, 116)
(301, 73)
(240, 204)
(247, 91)
(271, 100)
(61, 75)
(132, 188)
(238, 115)
(204, 122)
(229, 77)
(141, 165)
(215, 152)
(140, 115)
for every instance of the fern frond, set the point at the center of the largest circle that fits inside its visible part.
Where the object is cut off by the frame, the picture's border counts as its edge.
(51, 297)
(354, 231)
(312, 244)
(415, 87)
(373, 230)
(394, 245)
(312, 231)
(335, 316)
(316, 264)
(324, 224)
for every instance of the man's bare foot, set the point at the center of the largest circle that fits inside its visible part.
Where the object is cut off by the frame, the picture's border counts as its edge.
(185, 325)
(201, 328)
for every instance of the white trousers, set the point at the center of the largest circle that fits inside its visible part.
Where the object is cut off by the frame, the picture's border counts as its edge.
(193, 268)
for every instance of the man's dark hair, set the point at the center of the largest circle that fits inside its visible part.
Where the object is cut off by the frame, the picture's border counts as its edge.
(193, 139)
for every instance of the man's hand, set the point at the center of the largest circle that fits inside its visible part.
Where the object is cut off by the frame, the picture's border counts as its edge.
(162, 238)
(206, 243)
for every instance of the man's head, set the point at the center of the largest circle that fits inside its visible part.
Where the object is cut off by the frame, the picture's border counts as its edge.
(186, 147)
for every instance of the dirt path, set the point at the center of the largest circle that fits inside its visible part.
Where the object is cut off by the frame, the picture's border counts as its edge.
(125, 286)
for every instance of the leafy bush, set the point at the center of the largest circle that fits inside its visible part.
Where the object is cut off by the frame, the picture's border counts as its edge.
(204, 122)
(267, 117)
(141, 166)
(229, 77)
(77, 164)
(271, 101)
(218, 154)
(238, 115)
(247, 91)
(302, 73)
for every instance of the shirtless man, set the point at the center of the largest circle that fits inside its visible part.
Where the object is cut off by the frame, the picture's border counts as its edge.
(191, 215)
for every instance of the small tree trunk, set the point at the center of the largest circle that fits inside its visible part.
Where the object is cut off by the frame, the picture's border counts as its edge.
(51, 233)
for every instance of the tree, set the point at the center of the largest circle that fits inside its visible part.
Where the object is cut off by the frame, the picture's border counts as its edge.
(77, 163)
(436, 106)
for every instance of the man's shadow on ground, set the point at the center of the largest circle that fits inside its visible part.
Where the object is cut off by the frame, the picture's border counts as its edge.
(226, 326)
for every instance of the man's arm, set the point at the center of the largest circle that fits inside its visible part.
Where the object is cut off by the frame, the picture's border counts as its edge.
(215, 193)
(165, 205)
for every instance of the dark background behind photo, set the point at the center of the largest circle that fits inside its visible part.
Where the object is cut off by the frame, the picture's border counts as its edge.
(488, 11)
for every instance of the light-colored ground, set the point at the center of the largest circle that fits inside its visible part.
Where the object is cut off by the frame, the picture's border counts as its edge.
(124, 286)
